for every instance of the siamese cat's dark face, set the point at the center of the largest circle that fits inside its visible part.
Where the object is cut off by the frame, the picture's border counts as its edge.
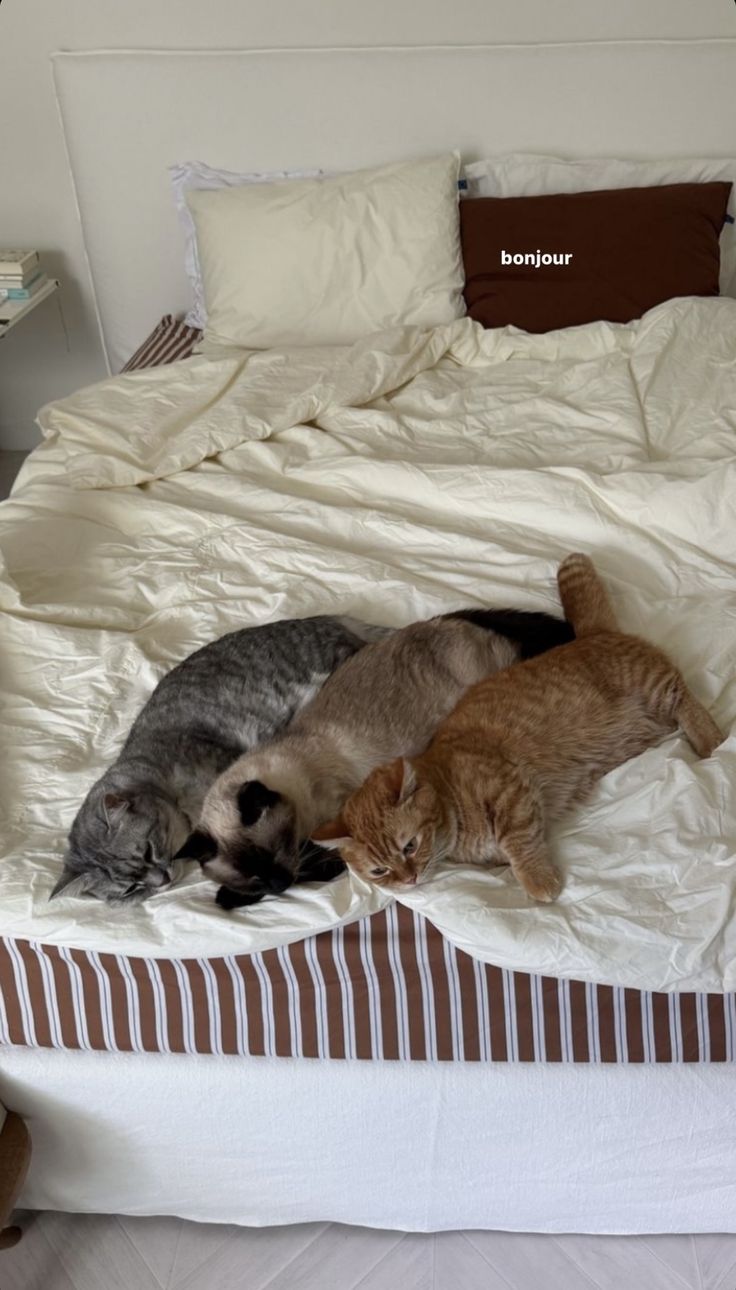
(248, 842)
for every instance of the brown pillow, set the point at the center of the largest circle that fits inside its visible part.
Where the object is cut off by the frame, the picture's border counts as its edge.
(611, 254)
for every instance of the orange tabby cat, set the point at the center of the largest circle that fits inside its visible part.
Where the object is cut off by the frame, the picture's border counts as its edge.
(518, 750)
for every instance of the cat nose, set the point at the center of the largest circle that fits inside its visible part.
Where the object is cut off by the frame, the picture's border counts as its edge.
(413, 880)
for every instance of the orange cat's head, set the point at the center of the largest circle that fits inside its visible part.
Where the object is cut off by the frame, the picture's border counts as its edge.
(388, 831)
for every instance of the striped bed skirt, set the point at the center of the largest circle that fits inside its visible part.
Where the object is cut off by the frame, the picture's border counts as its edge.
(388, 987)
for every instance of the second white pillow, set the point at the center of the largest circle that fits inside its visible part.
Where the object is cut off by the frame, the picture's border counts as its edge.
(325, 262)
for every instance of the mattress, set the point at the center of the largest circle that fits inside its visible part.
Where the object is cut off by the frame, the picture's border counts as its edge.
(410, 474)
(386, 988)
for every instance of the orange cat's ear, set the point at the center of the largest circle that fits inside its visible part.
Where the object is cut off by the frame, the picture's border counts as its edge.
(401, 778)
(408, 780)
(333, 834)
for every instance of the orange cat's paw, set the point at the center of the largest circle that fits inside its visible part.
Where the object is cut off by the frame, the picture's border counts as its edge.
(711, 738)
(542, 884)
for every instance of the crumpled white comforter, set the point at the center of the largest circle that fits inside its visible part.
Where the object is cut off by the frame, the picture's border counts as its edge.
(439, 469)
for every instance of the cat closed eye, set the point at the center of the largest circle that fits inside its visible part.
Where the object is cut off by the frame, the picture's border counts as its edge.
(378, 872)
(410, 847)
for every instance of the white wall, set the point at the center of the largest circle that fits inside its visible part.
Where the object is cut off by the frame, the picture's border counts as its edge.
(38, 361)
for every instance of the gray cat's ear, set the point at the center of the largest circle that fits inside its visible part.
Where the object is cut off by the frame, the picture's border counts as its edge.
(67, 878)
(332, 835)
(114, 802)
(114, 806)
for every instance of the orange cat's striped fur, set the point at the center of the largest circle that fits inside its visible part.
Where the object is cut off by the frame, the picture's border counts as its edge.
(519, 749)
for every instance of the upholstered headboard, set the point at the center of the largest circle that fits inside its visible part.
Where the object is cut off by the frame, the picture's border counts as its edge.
(128, 114)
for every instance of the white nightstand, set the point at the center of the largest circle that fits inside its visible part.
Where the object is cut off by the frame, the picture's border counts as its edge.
(12, 311)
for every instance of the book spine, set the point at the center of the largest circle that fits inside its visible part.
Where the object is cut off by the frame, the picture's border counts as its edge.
(19, 293)
(10, 290)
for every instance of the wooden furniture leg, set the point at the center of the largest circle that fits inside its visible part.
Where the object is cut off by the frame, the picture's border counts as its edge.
(15, 1157)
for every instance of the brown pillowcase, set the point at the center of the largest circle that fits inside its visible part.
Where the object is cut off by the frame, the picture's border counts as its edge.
(619, 253)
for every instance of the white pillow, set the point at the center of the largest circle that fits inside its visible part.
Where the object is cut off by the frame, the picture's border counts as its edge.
(325, 262)
(525, 174)
(197, 174)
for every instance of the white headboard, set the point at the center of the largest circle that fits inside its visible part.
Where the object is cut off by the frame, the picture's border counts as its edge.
(128, 114)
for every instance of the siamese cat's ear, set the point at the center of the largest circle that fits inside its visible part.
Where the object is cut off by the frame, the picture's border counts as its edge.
(199, 846)
(332, 835)
(253, 799)
(401, 778)
(68, 876)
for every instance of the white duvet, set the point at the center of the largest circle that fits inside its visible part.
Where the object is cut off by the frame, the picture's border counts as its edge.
(439, 469)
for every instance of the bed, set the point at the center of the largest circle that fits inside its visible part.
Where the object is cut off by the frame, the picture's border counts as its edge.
(450, 1059)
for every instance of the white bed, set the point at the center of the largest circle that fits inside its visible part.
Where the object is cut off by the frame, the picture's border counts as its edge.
(439, 468)
(480, 462)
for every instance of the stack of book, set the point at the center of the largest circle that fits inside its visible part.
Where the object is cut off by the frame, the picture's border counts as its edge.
(21, 275)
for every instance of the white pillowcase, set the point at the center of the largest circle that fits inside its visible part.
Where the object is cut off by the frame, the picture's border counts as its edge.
(525, 174)
(325, 262)
(197, 174)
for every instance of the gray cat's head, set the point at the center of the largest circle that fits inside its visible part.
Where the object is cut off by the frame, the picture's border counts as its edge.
(247, 840)
(121, 845)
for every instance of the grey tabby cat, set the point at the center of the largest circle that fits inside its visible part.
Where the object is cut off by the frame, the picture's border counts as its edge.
(386, 701)
(215, 705)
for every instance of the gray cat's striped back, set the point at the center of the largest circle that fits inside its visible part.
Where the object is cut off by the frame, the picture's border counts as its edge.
(236, 691)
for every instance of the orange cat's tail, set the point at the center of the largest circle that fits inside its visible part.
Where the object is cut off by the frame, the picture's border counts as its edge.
(584, 599)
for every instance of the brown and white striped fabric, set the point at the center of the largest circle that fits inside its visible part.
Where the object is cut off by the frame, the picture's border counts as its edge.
(388, 987)
(169, 341)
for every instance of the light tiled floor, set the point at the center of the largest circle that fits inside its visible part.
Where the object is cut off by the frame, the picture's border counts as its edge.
(88, 1252)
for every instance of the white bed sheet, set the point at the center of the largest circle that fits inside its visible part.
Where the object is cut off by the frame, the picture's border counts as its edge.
(440, 468)
(416, 1146)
